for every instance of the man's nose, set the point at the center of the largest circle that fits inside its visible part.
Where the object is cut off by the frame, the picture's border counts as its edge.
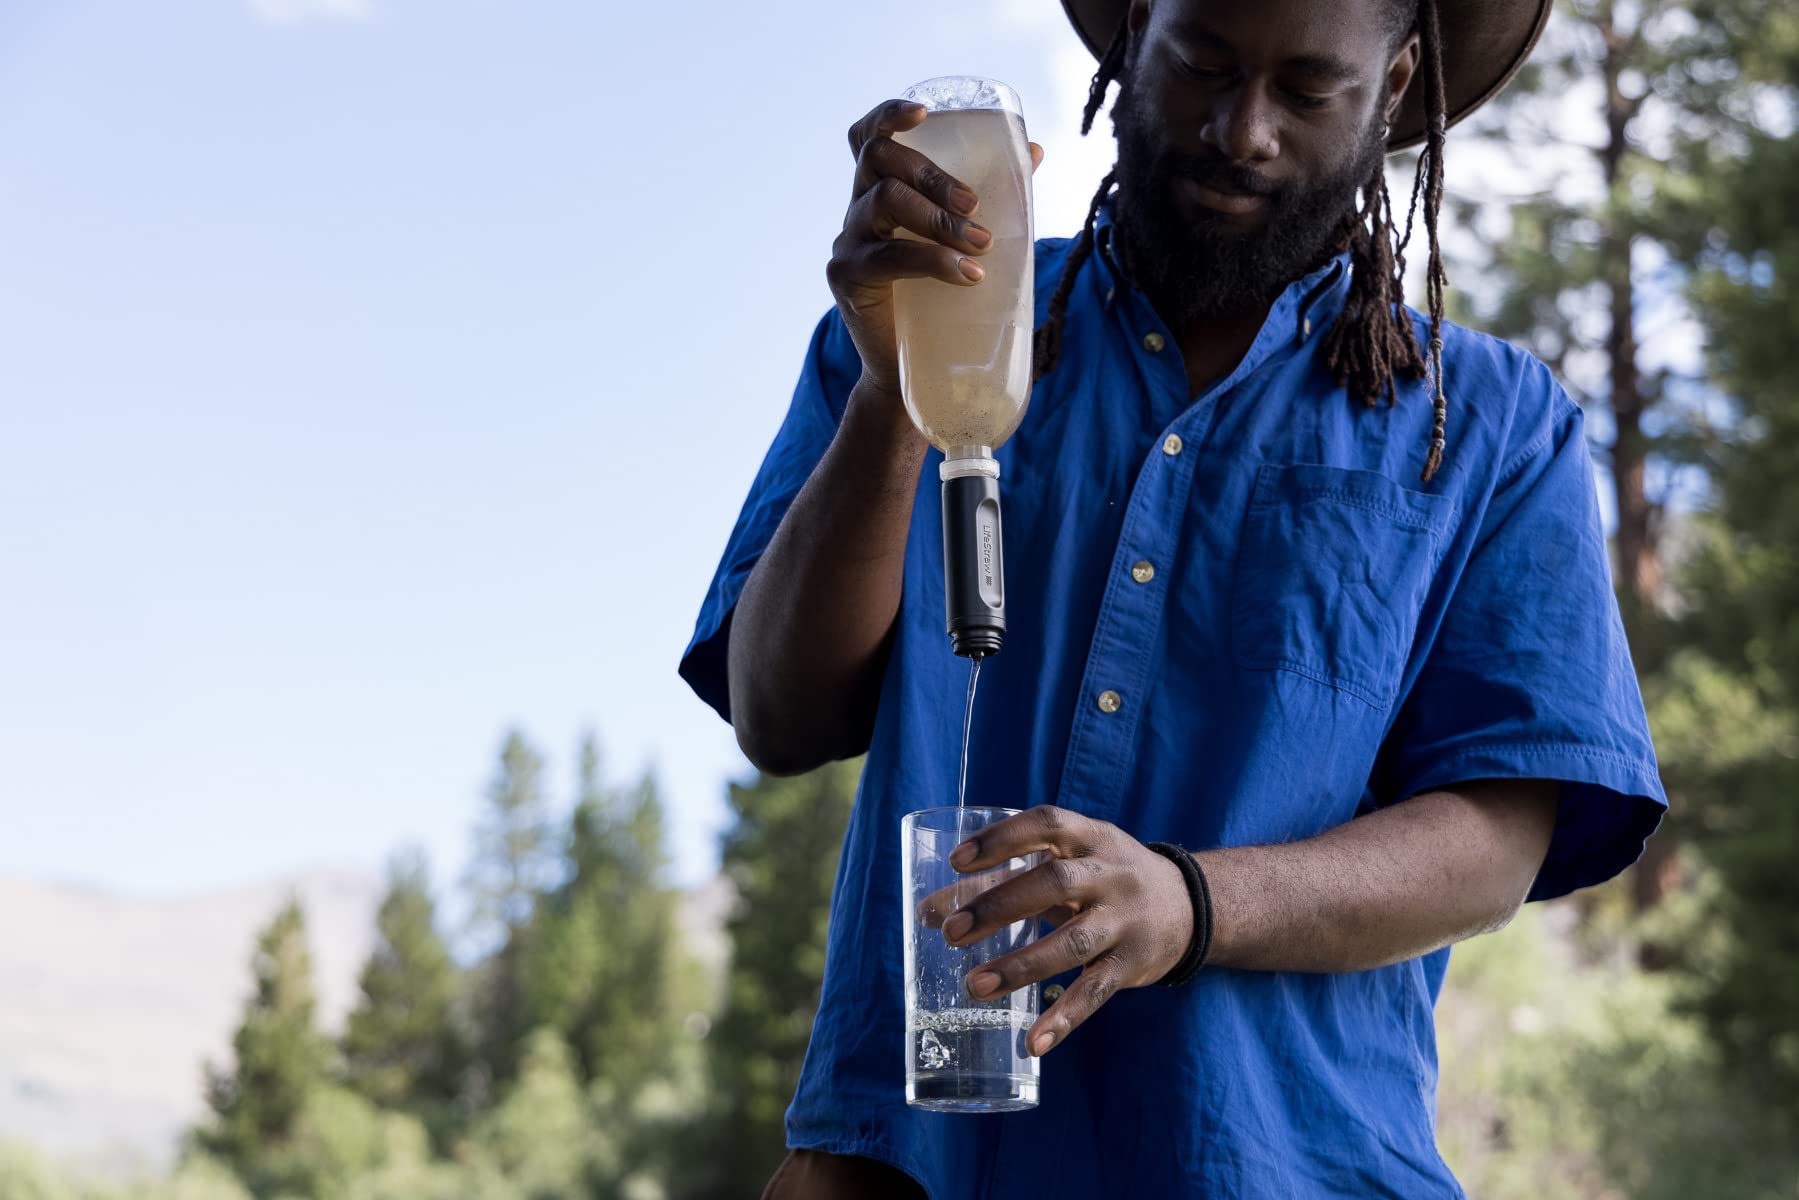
(1242, 127)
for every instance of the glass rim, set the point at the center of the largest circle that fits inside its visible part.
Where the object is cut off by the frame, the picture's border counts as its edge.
(958, 808)
(964, 93)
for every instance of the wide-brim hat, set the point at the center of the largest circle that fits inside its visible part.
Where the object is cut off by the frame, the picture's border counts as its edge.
(1485, 42)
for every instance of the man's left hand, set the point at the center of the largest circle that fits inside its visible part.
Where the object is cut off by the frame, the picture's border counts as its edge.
(1121, 911)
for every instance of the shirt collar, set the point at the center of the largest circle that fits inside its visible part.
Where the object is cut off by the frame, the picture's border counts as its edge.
(1308, 304)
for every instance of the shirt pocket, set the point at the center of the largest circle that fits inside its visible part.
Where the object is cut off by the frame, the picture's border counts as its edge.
(1331, 574)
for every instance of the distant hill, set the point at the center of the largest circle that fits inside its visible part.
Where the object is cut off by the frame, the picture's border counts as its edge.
(110, 1004)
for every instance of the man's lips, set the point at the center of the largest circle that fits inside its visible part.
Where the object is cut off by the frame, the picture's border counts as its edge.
(1237, 204)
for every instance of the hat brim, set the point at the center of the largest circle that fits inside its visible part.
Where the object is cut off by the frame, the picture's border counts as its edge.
(1485, 43)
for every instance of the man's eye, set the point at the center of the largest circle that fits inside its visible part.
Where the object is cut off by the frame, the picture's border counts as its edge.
(1307, 99)
(1194, 72)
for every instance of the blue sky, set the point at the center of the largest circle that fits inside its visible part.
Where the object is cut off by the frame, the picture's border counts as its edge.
(379, 375)
(376, 375)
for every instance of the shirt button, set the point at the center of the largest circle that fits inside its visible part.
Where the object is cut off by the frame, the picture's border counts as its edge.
(1052, 993)
(1153, 342)
(1171, 446)
(1110, 701)
(1143, 572)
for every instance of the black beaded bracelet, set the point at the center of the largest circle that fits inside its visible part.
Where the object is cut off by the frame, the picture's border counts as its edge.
(1201, 895)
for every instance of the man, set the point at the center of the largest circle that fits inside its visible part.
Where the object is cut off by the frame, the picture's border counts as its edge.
(1303, 582)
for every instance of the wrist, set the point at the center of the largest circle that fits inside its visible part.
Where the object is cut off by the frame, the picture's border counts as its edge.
(1222, 869)
(876, 415)
(1196, 948)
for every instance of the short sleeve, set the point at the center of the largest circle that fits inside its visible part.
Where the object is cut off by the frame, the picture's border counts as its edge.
(831, 369)
(1529, 675)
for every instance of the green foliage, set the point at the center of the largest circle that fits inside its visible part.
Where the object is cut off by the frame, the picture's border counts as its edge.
(514, 851)
(278, 1055)
(1744, 587)
(596, 1098)
(1514, 1014)
(1582, 267)
(402, 1049)
(597, 964)
(337, 1138)
(196, 1178)
(1697, 171)
(1731, 716)
(514, 861)
(1568, 1077)
(602, 968)
(27, 1175)
(539, 1138)
(781, 855)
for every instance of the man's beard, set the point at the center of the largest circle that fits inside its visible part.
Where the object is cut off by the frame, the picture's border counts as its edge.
(1194, 268)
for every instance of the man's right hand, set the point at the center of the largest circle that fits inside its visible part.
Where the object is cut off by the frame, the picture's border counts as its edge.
(896, 188)
(809, 642)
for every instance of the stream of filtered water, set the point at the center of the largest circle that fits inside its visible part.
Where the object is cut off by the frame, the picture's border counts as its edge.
(974, 676)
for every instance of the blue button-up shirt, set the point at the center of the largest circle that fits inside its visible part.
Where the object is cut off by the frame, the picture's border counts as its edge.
(1322, 635)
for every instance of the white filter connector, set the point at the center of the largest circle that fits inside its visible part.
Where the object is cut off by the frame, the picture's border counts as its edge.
(961, 468)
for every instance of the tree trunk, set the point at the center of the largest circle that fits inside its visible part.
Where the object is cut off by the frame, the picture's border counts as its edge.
(1639, 576)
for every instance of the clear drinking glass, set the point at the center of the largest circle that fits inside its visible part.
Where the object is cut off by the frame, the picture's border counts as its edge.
(962, 1054)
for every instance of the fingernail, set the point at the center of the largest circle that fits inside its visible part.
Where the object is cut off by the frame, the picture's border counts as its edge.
(977, 236)
(962, 855)
(982, 982)
(958, 925)
(963, 200)
(1042, 1044)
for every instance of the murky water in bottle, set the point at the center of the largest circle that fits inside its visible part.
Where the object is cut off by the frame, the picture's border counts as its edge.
(965, 352)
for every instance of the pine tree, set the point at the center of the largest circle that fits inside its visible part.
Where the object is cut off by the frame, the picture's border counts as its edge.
(514, 862)
(514, 851)
(401, 1047)
(539, 1138)
(1582, 269)
(601, 958)
(278, 1056)
(781, 855)
(1731, 711)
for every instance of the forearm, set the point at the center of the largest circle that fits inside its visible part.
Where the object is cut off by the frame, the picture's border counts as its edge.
(810, 634)
(1387, 886)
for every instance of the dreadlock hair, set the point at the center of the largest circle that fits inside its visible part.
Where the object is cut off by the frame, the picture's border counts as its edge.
(1372, 339)
(1046, 344)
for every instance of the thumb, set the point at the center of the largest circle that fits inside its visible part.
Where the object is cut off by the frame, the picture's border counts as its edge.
(1036, 157)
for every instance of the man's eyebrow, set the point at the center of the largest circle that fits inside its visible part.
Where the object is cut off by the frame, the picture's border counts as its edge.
(1320, 67)
(1323, 68)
